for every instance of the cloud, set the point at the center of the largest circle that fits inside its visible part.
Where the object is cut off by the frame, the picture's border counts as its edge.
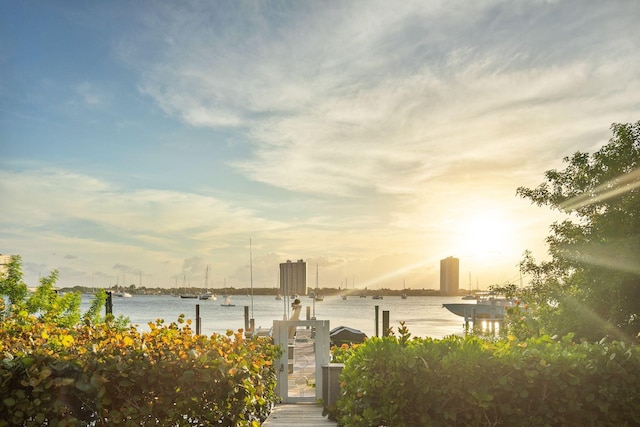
(391, 98)
(91, 209)
(125, 268)
(89, 95)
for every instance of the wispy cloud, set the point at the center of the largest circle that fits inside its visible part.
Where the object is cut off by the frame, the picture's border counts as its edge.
(389, 93)
(166, 220)
(89, 95)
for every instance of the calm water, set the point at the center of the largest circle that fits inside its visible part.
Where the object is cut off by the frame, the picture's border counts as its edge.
(424, 316)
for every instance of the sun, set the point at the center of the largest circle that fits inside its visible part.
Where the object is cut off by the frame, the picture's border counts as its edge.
(486, 236)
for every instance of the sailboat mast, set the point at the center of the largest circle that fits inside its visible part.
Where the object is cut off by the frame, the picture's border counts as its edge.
(316, 294)
(251, 275)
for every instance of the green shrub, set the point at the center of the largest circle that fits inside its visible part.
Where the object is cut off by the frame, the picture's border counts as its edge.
(470, 382)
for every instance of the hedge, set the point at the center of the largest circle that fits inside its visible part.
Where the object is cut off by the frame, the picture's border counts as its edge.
(98, 375)
(468, 381)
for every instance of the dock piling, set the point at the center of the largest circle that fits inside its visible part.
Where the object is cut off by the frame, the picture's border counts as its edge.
(385, 323)
(198, 320)
(377, 316)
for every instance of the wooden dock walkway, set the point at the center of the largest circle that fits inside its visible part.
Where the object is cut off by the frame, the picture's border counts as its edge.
(298, 415)
(301, 384)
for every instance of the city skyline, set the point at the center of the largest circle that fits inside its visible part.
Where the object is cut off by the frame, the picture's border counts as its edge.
(145, 141)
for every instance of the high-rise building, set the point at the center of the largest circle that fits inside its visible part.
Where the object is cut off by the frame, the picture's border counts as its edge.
(449, 276)
(293, 278)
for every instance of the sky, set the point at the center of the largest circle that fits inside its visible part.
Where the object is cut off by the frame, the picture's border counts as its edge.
(141, 142)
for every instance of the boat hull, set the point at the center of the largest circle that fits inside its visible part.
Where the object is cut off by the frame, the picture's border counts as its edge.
(477, 311)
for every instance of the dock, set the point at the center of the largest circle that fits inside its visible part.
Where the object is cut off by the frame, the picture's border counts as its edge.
(301, 381)
(298, 415)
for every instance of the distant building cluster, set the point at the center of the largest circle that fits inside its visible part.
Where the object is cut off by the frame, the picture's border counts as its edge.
(449, 276)
(293, 278)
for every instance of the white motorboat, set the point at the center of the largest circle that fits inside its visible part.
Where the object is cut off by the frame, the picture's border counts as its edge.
(487, 306)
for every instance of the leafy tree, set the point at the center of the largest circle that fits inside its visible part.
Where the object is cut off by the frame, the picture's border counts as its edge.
(92, 316)
(46, 303)
(63, 310)
(591, 284)
(11, 283)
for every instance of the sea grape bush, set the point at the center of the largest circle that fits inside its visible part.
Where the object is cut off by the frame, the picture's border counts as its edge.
(99, 375)
(469, 381)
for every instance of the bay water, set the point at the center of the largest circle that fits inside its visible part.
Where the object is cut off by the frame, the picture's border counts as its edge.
(423, 315)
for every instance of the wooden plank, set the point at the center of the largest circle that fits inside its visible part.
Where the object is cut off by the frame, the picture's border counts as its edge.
(298, 415)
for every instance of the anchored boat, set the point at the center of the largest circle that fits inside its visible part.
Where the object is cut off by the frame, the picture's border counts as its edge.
(487, 306)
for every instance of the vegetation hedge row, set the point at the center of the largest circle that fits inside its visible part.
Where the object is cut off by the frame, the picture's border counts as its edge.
(472, 382)
(99, 375)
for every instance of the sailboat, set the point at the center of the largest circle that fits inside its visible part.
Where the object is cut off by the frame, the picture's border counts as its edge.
(404, 290)
(207, 295)
(121, 293)
(377, 296)
(470, 295)
(227, 302)
(190, 296)
(317, 296)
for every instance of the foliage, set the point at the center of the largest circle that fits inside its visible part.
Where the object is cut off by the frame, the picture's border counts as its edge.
(98, 375)
(11, 283)
(46, 303)
(591, 284)
(340, 354)
(472, 382)
(63, 310)
(56, 370)
(92, 316)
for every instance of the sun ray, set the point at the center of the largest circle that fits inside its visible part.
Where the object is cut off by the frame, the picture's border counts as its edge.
(622, 184)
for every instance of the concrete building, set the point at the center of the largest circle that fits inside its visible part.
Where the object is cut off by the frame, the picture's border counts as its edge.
(293, 278)
(449, 276)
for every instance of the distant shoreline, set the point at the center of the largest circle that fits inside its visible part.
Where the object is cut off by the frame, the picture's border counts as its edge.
(265, 291)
